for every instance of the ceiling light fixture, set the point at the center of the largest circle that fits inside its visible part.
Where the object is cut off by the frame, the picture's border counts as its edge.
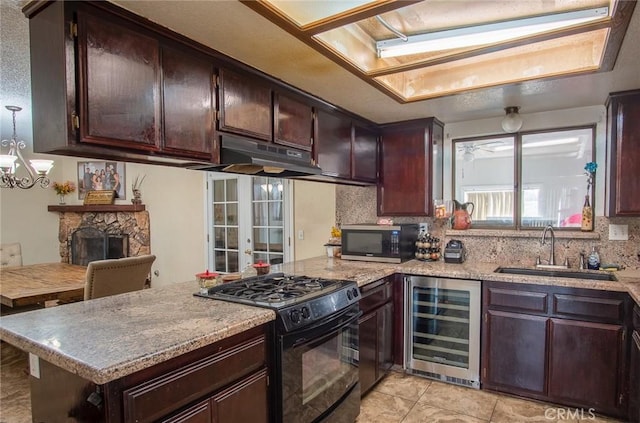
(512, 122)
(486, 34)
(10, 162)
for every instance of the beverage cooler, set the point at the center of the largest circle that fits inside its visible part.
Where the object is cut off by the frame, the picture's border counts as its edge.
(442, 329)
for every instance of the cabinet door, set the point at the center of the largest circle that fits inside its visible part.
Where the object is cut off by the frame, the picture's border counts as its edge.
(245, 105)
(333, 144)
(385, 339)
(364, 164)
(634, 379)
(514, 350)
(293, 122)
(244, 401)
(624, 139)
(585, 362)
(368, 333)
(404, 186)
(188, 103)
(119, 81)
(199, 413)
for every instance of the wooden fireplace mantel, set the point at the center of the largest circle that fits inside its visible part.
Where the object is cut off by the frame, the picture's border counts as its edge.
(97, 208)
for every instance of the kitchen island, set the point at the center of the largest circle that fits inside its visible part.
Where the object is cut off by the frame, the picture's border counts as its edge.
(108, 340)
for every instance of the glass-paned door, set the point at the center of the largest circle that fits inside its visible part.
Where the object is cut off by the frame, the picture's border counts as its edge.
(248, 221)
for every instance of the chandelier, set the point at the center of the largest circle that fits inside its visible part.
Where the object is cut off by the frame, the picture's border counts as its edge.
(10, 162)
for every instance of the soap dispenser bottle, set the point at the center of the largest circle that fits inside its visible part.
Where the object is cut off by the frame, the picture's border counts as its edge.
(594, 260)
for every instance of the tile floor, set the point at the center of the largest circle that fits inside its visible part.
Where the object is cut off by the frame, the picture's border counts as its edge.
(405, 398)
(397, 398)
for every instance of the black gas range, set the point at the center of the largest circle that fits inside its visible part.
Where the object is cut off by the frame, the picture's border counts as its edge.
(316, 345)
(298, 300)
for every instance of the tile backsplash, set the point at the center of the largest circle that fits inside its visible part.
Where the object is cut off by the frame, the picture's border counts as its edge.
(518, 248)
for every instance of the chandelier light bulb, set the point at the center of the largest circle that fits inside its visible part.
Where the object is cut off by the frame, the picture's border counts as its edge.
(512, 122)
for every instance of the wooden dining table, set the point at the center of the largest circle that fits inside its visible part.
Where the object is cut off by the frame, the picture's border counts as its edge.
(30, 285)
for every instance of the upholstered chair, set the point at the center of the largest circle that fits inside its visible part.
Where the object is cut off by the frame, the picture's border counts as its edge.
(10, 254)
(116, 276)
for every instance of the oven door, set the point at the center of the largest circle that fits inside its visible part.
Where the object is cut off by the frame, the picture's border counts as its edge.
(319, 370)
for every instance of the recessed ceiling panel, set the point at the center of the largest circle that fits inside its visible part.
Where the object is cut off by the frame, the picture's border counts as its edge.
(553, 58)
(356, 35)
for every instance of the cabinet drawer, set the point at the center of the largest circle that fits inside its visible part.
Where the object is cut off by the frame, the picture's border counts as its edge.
(375, 296)
(160, 396)
(517, 300)
(590, 308)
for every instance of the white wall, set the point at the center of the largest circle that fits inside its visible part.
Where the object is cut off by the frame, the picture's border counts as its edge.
(544, 120)
(314, 214)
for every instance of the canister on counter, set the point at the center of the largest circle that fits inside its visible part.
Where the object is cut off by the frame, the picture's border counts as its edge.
(207, 280)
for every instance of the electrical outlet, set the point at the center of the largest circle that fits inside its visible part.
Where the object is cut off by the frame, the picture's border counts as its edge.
(618, 232)
(34, 365)
(300, 234)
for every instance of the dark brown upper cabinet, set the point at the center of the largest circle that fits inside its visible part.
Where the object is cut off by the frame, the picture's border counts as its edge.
(292, 122)
(333, 143)
(119, 84)
(364, 153)
(411, 167)
(105, 86)
(623, 132)
(245, 105)
(189, 103)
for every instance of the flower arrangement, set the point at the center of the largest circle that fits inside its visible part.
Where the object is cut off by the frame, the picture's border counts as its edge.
(336, 236)
(590, 171)
(64, 188)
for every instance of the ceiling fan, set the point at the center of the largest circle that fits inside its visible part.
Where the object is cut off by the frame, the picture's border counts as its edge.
(468, 150)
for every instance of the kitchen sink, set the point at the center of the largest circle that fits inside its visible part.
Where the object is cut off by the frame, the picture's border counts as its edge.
(557, 273)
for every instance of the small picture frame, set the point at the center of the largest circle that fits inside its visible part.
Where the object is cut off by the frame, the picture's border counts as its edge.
(101, 176)
(106, 196)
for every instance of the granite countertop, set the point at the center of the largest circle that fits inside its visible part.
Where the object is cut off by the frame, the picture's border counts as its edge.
(365, 272)
(108, 338)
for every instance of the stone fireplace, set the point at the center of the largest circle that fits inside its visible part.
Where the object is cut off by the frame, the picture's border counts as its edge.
(124, 227)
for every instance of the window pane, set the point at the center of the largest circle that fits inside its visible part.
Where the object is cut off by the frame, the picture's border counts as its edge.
(232, 213)
(218, 191)
(260, 188)
(484, 176)
(275, 240)
(219, 238)
(232, 190)
(554, 183)
(260, 216)
(218, 214)
(260, 239)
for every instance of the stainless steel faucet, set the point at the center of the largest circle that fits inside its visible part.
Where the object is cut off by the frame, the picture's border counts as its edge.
(552, 259)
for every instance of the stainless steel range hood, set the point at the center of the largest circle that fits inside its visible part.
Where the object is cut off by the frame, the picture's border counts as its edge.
(256, 158)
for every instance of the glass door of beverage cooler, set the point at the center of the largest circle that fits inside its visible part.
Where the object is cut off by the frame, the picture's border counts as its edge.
(442, 333)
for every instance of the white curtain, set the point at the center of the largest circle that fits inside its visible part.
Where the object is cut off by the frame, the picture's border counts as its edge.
(490, 205)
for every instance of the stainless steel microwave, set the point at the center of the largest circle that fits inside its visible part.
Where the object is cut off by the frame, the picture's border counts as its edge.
(381, 243)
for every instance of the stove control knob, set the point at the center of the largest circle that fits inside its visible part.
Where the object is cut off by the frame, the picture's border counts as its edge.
(294, 315)
(305, 312)
(355, 292)
(349, 295)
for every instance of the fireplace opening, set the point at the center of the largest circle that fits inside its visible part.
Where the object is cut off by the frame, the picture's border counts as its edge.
(90, 244)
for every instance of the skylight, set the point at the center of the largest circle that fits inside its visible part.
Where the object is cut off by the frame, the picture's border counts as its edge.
(464, 44)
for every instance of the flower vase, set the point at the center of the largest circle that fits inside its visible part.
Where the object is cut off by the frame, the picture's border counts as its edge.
(587, 215)
(61, 199)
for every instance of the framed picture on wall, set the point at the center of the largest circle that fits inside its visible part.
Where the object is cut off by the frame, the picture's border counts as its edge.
(99, 176)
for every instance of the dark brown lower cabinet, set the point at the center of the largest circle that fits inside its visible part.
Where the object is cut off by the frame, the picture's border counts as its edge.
(230, 405)
(223, 382)
(563, 345)
(585, 359)
(376, 332)
(634, 370)
(516, 349)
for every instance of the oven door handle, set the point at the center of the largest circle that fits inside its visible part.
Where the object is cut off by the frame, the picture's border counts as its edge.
(307, 334)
